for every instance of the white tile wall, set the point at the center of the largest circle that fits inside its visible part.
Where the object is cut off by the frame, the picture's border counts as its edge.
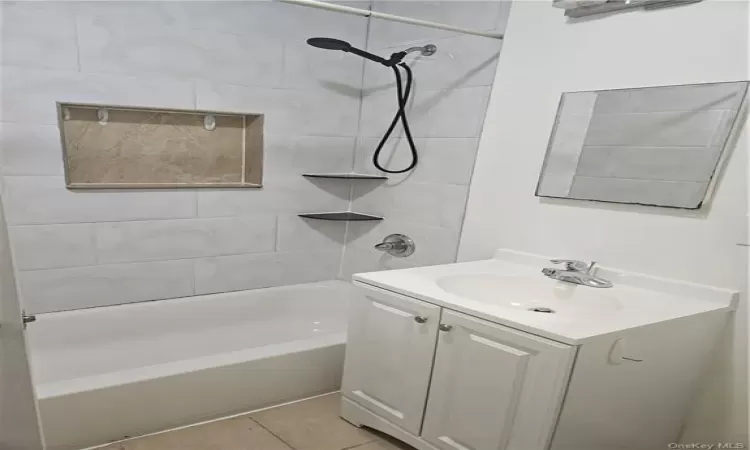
(298, 233)
(442, 160)
(84, 287)
(29, 95)
(446, 115)
(39, 34)
(233, 273)
(53, 246)
(460, 61)
(289, 156)
(230, 58)
(279, 195)
(30, 149)
(443, 113)
(92, 248)
(420, 203)
(45, 200)
(328, 111)
(481, 15)
(177, 239)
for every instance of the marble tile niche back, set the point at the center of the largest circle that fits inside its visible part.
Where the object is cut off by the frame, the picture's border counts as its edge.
(144, 148)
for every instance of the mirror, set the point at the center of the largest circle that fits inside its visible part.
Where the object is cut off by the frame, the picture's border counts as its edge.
(658, 146)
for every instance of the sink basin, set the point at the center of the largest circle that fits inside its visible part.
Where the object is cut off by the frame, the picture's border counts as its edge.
(529, 293)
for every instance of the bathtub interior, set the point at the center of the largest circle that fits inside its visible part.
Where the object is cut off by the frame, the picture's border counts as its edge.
(99, 347)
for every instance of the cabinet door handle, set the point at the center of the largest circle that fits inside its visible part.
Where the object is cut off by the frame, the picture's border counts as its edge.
(420, 319)
(445, 327)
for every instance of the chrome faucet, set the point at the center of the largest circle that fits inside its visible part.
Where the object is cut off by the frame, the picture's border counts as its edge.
(577, 272)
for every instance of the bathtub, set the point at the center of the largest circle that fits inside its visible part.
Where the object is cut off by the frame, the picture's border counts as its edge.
(108, 373)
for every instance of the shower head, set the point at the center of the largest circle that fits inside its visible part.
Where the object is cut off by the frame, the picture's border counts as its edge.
(329, 43)
(337, 44)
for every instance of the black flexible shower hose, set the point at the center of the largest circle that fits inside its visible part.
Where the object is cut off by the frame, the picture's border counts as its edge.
(403, 98)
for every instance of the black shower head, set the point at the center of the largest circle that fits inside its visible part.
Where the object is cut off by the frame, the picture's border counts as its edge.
(329, 43)
(336, 44)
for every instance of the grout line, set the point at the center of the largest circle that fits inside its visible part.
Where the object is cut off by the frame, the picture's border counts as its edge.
(219, 419)
(274, 434)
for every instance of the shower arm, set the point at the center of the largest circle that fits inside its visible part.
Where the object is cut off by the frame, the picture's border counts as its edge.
(395, 58)
(370, 56)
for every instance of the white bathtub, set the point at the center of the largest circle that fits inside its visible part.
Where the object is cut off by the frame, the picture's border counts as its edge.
(104, 374)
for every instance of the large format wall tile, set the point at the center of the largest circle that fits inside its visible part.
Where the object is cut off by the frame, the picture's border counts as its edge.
(434, 245)
(39, 34)
(53, 246)
(30, 149)
(307, 67)
(441, 160)
(39, 200)
(320, 112)
(480, 15)
(298, 233)
(177, 239)
(29, 95)
(460, 61)
(291, 156)
(230, 58)
(278, 196)
(84, 287)
(427, 204)
(234, 273)
(443, 113)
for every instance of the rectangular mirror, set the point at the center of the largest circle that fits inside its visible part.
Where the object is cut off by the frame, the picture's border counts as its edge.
(658, 146)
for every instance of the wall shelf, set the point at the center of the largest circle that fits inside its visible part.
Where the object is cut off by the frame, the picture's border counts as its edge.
(346, 176)
(349, 216)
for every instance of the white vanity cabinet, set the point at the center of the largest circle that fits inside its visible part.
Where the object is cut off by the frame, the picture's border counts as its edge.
(449, 381)
(463, 356)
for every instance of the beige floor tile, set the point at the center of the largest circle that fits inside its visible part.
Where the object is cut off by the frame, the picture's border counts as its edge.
(314, 425)
(241, 433)
(387, 443)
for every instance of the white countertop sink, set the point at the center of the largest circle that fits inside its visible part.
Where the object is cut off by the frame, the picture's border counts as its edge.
(510, 289)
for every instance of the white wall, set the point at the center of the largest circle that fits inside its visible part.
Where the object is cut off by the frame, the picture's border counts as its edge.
(80, 249)
(545, 55)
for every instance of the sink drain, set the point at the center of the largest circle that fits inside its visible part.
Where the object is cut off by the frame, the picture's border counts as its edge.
(542, 310)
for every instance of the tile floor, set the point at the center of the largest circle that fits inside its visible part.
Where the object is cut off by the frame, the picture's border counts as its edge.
(309, 425)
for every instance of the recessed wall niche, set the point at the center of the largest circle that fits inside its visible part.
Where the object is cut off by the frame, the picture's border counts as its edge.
(128, 147)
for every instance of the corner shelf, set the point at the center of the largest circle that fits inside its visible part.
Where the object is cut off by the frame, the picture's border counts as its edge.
(340, 216)
(346, 176)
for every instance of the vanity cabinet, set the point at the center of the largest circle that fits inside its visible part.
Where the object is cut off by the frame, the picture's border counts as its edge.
(493, 387)
(390, 347)
(449, 381)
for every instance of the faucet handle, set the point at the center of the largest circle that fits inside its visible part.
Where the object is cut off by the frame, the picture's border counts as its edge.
(575, 265)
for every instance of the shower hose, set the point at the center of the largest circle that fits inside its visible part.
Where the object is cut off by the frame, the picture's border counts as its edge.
(403, 98)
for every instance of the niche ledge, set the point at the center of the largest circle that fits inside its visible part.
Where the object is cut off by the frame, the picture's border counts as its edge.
(346, 216)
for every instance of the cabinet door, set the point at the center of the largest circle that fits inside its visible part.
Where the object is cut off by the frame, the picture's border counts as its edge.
(389, 353)
(493, 387)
